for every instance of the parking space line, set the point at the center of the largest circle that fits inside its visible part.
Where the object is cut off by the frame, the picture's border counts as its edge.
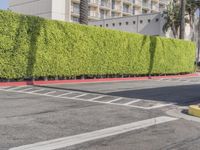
(49, 92)
(15, 88)
(115, 100)
(81, 95)
(95, 98)
(95, 135)
(64, 94)
(134, 101)
(39, 90)
(24, 90)
(160, 106)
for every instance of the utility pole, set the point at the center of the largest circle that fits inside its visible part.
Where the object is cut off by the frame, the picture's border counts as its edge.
(182, 19)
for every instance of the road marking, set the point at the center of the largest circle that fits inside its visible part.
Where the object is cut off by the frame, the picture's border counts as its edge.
(99, 134)
(81, 95)
(115, 100)
(64, 94)
(98, 97)
(95, 99)
(135, 101)
(15, 88)
(35, 91)
(49, 92)
(24, 90)
(160, 106)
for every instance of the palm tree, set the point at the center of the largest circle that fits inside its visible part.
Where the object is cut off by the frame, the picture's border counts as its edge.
(84, 9)
(171, 16)
(182, 19)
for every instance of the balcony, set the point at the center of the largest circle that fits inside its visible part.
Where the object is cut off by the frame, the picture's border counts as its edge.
(75, 11)
(146, 5)
(128, 11)
(105, 4)
(128, 1)
(155, 8)
(94, 15)
(104, 16)
(137, 3)
(164, 1)
(117, 8)
(93, 2)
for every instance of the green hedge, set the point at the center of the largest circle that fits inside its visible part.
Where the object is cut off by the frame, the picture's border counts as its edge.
(36, 47)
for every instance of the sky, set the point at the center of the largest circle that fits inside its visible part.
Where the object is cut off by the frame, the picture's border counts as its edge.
(3, 4)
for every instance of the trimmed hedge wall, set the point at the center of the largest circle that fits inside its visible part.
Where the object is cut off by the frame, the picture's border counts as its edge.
(35, 47)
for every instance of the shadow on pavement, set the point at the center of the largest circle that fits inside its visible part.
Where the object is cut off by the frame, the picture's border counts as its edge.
(182, 95)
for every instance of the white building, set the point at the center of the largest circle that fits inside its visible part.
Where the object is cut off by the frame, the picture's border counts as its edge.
(68, 10)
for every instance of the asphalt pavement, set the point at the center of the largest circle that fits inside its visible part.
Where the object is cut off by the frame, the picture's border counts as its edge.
(128, 115)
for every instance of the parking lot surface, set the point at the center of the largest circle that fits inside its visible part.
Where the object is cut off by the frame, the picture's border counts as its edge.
(128, 115)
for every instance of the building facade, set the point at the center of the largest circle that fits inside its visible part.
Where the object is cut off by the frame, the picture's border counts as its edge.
(68, 10)
(148, 24)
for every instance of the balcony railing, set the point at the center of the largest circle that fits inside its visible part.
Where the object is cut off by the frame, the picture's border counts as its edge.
(75, 10)
(105, 4)
(96, 2)
(116, 7)
(164, 1)
(93, 14)
(146, 5)
(137, 2)
(104, 16)
(128, 1)
(130, 11)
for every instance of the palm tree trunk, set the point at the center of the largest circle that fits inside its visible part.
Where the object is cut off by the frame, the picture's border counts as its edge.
(84, 9)
(182, 19)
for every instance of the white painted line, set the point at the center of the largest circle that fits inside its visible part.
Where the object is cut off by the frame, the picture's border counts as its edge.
(81, 95)
(95, 135)
(36, 91)
(98, 97)
(25, 89)
(160, 106)
(64, 94)
(49, 92)
(87, 100)
(4, 87)
(135, 101)
(114, 100)
(15, 88)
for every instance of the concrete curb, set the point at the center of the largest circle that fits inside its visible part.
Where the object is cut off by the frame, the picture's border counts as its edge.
(23, 83)
(194, 110)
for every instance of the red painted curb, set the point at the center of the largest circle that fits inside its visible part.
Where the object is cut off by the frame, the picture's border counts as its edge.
(93, 80)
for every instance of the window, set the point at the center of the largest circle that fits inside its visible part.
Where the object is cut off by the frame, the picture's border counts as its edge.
(149, 20)
(120, 24)
(106, 25)
(141, 21)
(113, 24)
(157, 19)
(134, 22)
(126, 23)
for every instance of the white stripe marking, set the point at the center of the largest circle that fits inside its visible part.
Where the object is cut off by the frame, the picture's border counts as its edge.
(64, 94)
(117, 99)
(36, 91)
(86, 100)
(90, 136)
(81, 95)
(15, 88)
(49, 92)
(92, 99)
(135, 101)
(25, 90)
